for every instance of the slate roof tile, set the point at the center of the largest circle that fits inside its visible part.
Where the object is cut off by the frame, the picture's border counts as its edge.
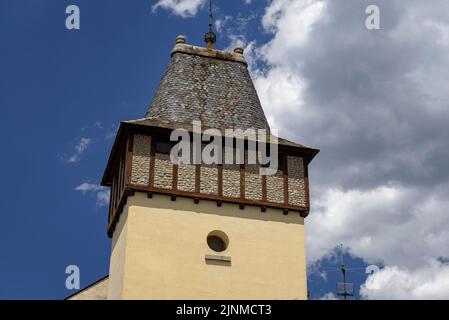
(212, 87)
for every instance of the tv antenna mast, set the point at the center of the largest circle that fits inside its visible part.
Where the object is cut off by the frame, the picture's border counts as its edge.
(344, 289)
(210, 38)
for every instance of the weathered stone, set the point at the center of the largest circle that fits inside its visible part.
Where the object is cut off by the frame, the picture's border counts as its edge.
(231, 181)
(140, 172)
(296, 184)
(209, 180)
(186, 177)
(275, 187)
(163, 171)
(253, 183)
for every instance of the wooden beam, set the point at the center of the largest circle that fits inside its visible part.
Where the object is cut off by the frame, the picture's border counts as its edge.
(152, 162)
(264, 188)
(196, 198)
(285, 170)
(242, 181)
(306, 185)
(203, 196)
(197, 178)
(175, 177)
(129, 157)
(174, 184)
(220, 180)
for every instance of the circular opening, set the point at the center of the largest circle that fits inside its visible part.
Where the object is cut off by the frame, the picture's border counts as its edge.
(217, 241)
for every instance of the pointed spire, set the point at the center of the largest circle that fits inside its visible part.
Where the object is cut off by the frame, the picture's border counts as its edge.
(210, 37)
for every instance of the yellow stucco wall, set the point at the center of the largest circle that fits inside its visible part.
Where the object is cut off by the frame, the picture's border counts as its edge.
(118, 258)
(98, 291)
(160, 248)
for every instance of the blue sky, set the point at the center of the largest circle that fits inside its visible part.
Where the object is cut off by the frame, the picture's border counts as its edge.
(63, 94)
(57, 88)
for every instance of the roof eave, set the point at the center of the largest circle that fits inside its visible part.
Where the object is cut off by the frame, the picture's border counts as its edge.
(106, 180)
(209, 53)
(310, 153)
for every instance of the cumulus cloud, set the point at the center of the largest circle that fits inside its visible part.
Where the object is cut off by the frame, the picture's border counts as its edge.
(103, 197)
(376, 103)
(234, 30)
(329, 296)
(429, 282)
(182, 8)
(80, 147)
(393, 225)
(220, 23)
(102, 194)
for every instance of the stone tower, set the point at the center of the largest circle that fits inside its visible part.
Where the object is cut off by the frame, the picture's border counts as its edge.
(196, 230)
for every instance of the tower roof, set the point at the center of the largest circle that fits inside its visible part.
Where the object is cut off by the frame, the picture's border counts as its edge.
(208, 85)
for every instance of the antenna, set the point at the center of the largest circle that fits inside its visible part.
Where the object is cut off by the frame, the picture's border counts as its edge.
(210, 37)
(344, 288)
(210, 15)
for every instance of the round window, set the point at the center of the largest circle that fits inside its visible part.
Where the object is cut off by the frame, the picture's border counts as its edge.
(217, 241)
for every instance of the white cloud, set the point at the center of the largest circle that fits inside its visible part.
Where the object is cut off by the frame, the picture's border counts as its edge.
(329, 296)
(111, 132)
(280, 82)
(103, 197)
(429, 282)
(86, 187)
(80, 147)
(182, 8)
(237, 40)
(392, 225)
(221, 23)
(98, 125)
(375, 103)
(102, 194)
(235, 29)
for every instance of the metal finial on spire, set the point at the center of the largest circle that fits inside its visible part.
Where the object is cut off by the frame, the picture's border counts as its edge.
(210, 15)
(210, 37)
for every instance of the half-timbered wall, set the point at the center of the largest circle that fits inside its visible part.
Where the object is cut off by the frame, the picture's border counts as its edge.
(154, 172)
(119, 181)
